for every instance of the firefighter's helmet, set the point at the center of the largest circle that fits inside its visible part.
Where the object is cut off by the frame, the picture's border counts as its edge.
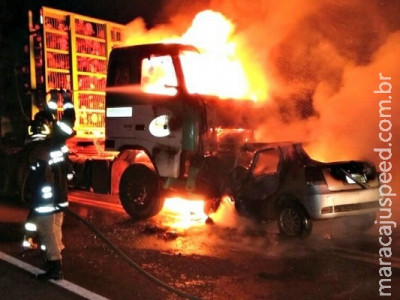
(41, 127)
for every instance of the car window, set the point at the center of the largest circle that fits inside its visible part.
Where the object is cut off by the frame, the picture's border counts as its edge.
(267, 162)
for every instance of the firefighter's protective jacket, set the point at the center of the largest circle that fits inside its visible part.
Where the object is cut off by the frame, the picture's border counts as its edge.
(47, 178)
(47, 157)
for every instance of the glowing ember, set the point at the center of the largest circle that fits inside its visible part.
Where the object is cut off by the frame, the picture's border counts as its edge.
(184, 213)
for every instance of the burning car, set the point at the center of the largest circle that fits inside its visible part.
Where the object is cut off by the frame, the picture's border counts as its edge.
(280, 181)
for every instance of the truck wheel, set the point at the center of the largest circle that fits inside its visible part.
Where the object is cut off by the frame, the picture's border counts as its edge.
(293, 221)
(139, 192)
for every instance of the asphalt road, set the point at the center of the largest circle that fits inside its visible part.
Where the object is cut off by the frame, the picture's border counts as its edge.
(233, 258)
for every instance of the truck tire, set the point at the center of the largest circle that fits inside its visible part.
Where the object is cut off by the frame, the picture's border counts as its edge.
(139, 192)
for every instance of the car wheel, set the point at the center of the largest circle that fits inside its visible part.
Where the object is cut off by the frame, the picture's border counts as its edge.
(294, 222)
(139, 192)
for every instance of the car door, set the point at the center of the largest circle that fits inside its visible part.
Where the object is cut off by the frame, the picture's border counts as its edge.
(263, 180)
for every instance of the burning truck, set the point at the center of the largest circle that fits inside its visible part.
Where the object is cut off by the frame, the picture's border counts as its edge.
(169, 139)
(157, 131)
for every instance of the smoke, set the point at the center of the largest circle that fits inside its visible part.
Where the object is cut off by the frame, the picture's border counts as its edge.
(322, 60)
(323, 64)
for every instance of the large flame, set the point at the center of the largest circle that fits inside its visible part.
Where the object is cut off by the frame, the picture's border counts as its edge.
(184, 213)
(218, 70)
(221, 69)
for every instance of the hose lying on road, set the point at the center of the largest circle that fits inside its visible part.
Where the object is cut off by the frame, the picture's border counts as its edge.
(130, 261)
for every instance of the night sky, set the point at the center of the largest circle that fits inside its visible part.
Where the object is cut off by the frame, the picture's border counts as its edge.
(121, 11)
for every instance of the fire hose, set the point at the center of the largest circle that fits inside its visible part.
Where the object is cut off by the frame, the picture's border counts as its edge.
(133, 264)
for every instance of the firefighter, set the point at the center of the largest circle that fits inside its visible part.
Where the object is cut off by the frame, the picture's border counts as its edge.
(52, 105)
(48, 179)
(64, 122)
(48, 197)
(65, 119)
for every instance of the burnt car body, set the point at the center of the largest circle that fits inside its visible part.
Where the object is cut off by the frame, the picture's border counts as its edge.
(280, 181)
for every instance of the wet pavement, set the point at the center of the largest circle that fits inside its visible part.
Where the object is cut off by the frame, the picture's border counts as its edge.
(18, 283)
(230, 258)
(18, 277)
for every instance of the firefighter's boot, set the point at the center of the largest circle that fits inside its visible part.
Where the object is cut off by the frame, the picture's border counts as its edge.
(54, 271)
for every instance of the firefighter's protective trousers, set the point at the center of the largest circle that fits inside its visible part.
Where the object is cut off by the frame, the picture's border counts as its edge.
(49, 195)
(50, 233)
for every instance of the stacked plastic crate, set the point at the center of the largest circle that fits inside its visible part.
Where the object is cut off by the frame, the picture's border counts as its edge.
(75, 53)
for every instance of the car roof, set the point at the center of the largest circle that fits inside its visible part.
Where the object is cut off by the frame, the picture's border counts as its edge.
(262, 146)
(288, 149)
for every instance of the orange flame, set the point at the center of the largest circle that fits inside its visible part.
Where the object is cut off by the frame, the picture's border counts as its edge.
(221, 69)
(184, 213)
(218, 70)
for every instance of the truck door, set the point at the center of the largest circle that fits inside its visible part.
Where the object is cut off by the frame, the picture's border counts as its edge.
(144, 108)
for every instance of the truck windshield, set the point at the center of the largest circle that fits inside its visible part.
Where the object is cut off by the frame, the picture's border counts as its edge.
(158, 75)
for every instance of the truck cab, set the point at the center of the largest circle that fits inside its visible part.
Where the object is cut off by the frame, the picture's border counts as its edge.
(172, 140)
